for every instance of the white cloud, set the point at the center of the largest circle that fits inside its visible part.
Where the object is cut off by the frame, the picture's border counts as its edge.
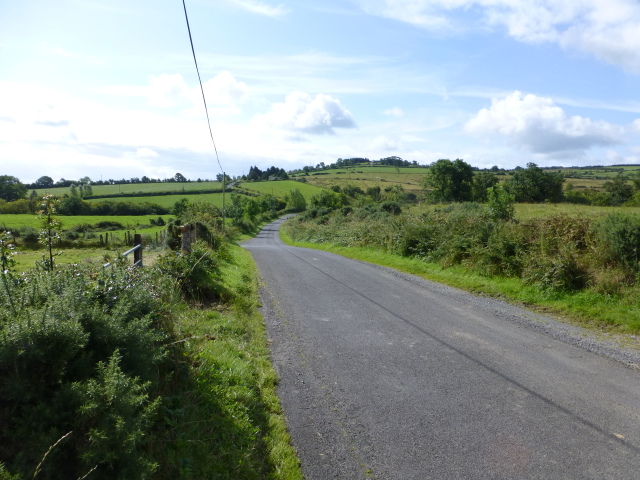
(145, 152)
(383, 143)
(608, 30)
(539, 125)
(166, 90)
(171, 90)
(224, 89)
(303, 113)
(394, 112)
(262, 8)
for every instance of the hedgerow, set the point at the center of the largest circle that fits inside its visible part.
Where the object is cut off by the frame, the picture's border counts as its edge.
(554, 253)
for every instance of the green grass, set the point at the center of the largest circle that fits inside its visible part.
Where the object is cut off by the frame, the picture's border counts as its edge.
(598, 311)
(137, 187)
(10, 222)
(525, 211)
(281, 188)
(365, 177)
(229, 424)
(26, 259)
(169, 201)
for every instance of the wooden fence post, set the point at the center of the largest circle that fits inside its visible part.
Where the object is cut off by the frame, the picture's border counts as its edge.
(186, 238)
(137, 254)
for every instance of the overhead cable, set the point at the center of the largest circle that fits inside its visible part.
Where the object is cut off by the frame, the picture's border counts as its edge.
(204, 100)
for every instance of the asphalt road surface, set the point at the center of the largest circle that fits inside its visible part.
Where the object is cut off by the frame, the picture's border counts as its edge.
(384, 375)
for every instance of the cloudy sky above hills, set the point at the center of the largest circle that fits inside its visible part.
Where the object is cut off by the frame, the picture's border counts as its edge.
(109, 89)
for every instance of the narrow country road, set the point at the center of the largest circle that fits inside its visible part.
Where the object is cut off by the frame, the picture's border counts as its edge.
(384, 375)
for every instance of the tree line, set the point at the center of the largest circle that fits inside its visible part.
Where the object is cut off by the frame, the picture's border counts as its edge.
(457, 181)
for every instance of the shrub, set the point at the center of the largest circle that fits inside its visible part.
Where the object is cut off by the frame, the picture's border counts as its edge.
(619, 235)
(391, 207)
(503, 252)
(80, 352)
(28, 235)
(416, 240)
(328, 200)
(557, 233)
(195, 274)
(500, 203)
(109, 225)
(560, 272)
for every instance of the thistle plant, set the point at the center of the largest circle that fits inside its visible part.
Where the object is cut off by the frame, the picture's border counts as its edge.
(49, 227)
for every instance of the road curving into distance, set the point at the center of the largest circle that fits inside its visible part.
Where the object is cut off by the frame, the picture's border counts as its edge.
(385, 375)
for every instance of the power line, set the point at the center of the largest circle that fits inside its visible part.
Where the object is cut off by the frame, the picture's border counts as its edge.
(204, 101)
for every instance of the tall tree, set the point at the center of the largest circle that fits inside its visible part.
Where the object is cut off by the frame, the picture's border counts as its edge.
(451, 181)
(11, 188)
(482, 182)
(534, 185)
(296, 201)
(618, 190)
(44, 182)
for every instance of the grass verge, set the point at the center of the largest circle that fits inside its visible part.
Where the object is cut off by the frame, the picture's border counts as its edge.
(226, 422)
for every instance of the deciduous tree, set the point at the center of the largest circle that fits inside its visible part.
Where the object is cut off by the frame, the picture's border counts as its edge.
(534, 185)
(11, 188)
(451, 181)
(44, 182)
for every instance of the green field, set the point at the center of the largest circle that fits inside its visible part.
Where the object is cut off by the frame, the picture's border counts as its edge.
(281, 188)
(369, 176)
(525, 211)
(26, 259)
(410, 178)
(10, 222)
(137, 188)
(169, 201)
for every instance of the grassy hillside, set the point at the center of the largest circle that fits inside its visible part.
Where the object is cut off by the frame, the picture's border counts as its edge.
(281, 188)
(369, 176)
(137, 188)
(410, 178)
(169, 201)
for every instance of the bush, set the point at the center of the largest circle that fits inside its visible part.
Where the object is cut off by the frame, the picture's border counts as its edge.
(196, 274)
(503, 252)
(80, 352)
(560, 272)
(500, 203)
(391, 207)
(109, 225)
(28, 235)
(328, 200)
(619, 235)
(416, 240)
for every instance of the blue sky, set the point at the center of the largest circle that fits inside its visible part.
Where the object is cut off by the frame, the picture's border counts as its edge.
(109, 89)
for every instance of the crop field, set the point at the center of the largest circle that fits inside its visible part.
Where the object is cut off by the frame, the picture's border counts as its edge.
(137, 188)
(281, 188)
